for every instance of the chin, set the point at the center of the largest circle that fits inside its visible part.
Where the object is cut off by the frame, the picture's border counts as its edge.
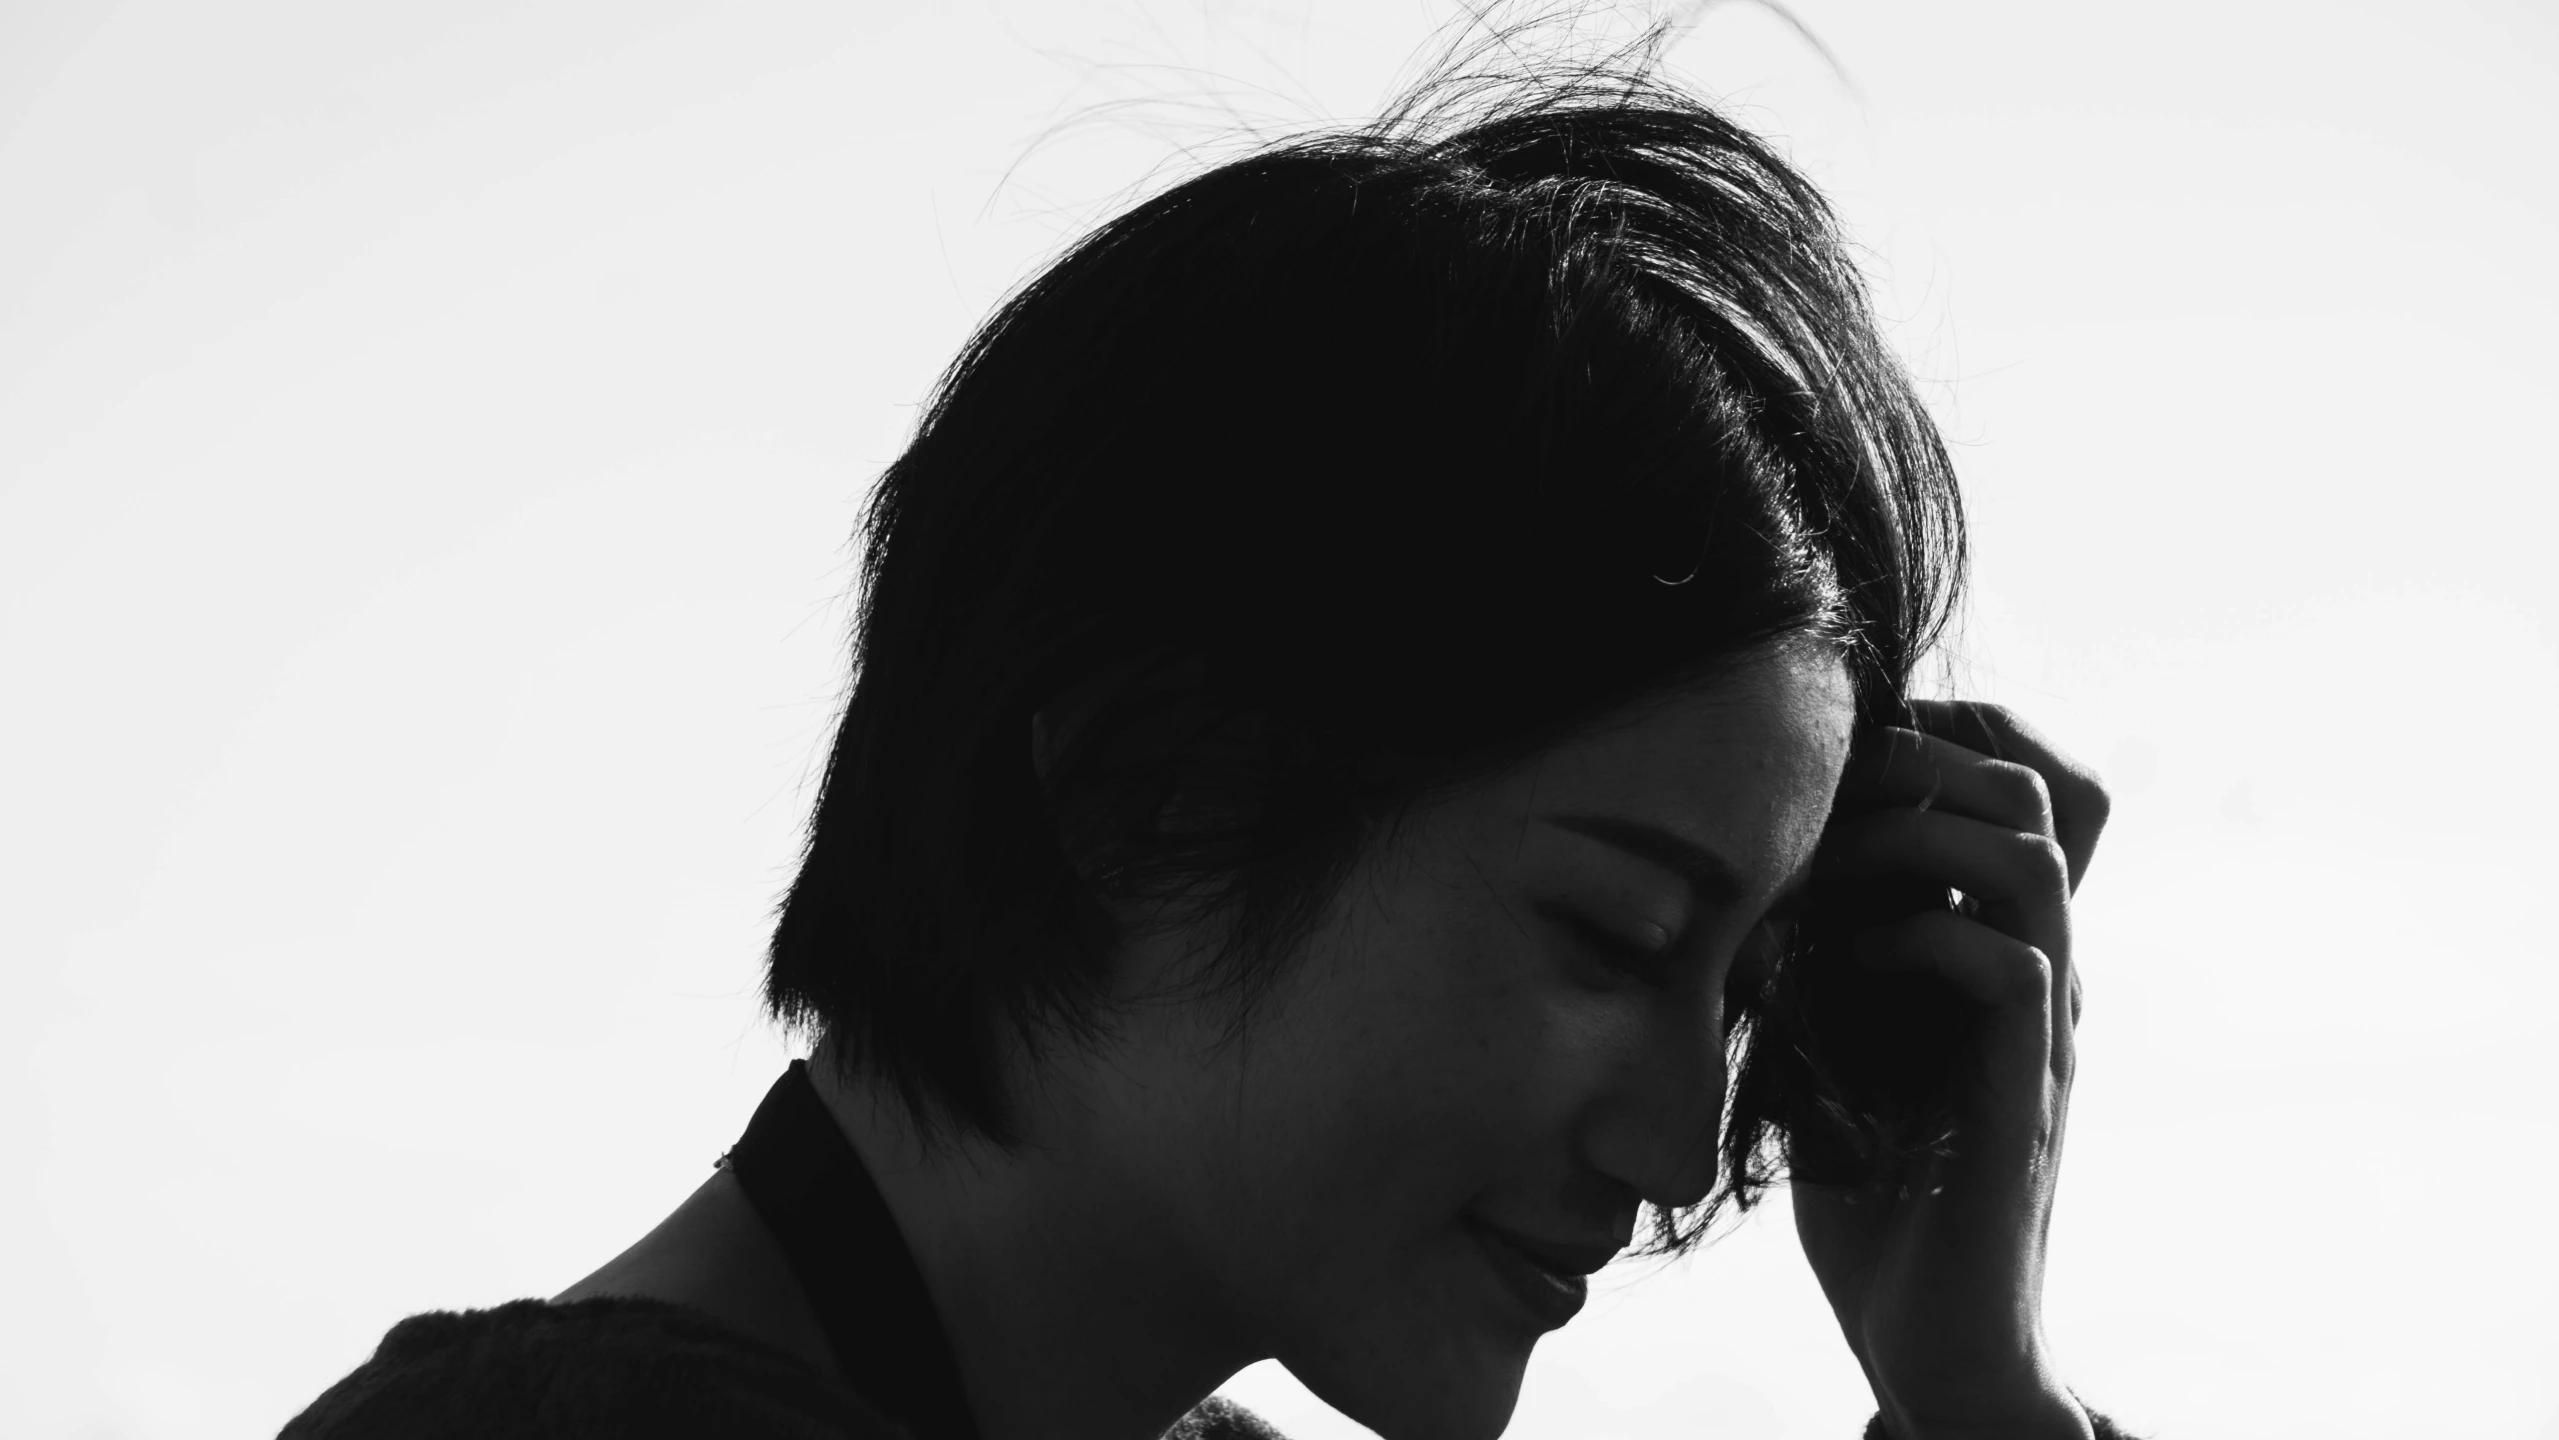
(1452, 1387)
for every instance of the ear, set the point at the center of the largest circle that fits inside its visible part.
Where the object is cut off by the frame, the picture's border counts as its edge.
(1093, 796)
(1061, 720)
(1072, 818)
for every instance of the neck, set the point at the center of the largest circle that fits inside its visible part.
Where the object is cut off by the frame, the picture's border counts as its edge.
(1069, 1315)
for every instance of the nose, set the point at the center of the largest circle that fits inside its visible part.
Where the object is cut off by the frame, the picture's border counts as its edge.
(1656, 1124)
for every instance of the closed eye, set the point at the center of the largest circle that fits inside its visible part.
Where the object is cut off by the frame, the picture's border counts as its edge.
(1644, 962)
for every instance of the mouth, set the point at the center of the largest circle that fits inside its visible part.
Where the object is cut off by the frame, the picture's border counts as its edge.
(1546, 1279)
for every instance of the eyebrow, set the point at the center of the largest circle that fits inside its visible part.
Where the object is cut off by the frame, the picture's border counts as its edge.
(1715, 879)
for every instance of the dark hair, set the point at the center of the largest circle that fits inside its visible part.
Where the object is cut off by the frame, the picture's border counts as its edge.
(1338, 475)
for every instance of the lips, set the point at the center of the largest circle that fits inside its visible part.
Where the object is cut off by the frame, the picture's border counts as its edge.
(1564, 1257)
(1545, 1276)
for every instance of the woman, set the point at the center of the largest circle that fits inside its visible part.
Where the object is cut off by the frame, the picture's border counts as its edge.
(1381, 749)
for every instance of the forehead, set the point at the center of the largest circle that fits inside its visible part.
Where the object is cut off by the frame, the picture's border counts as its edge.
(1743, 764)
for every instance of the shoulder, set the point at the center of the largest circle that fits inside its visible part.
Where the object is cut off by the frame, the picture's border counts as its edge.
(533, 1370)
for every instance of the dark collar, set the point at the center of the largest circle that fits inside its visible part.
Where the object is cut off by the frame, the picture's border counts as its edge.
(803, 1177)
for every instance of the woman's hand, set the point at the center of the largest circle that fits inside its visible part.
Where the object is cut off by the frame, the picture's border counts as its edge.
(1938, 1282)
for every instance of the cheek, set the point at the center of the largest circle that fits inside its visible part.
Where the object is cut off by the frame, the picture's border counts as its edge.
(1432, 1062)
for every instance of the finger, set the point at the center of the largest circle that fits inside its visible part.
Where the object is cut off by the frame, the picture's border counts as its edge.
(2019, 878)
(1991, 969)
(1992, 863)
(2079, 805)
(2079, 800)
(1988, 967)
(1898, 766)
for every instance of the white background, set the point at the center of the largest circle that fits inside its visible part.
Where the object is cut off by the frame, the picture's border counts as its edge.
(429, 435)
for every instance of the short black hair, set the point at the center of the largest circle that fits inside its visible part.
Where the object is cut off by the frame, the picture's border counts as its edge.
(1342, 473)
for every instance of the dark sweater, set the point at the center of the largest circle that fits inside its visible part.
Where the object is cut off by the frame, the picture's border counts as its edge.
(597, 1367)
(531, 1370)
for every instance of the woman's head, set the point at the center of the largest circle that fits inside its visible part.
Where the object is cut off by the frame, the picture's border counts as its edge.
(1504, 1031)
(1327, 490)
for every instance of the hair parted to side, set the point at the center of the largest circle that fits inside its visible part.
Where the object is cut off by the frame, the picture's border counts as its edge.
(1339, 475)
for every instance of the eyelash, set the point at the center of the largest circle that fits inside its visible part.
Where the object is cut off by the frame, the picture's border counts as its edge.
(1620, 953)
(1646, 964)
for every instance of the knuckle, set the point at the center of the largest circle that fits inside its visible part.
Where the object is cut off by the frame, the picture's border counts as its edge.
(1999, 724)
(2023, 791)
(2087, 797)
(2041, 860)
(2095, 804)
(2030, 979)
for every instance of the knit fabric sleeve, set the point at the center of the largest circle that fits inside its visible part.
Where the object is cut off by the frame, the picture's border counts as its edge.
(1218, 1418)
